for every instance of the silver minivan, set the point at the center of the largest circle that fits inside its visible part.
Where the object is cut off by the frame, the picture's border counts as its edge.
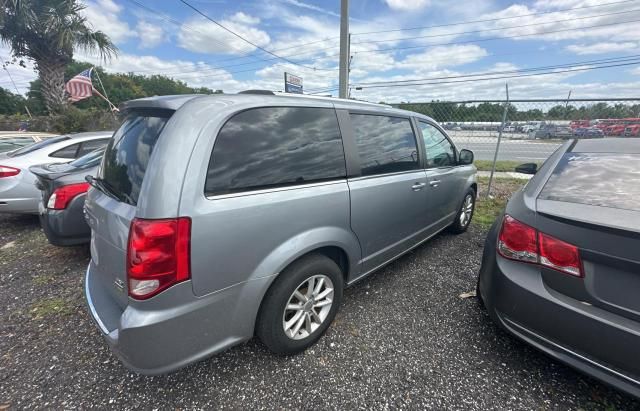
(217, 218)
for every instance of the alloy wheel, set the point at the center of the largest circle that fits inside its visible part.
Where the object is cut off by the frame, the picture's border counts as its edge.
(308, 307)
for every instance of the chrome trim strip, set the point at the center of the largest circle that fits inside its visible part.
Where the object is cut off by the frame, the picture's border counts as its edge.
(274, 189)
(398, 173)
(94, 313)
(568, 351)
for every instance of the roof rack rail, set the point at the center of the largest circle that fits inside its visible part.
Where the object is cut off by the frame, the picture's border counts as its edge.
(264, 92)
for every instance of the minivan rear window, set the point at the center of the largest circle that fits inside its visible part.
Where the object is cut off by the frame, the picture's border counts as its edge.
(127, 155)
(596, 179)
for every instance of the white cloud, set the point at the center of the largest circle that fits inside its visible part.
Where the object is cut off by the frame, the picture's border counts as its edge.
(20, 75)
(202, 36)
(104, 15)
(635, 71)
(443, 56)
(602, 47)
(312, 7)
(407, 5)
(150, 34)
(242, 18)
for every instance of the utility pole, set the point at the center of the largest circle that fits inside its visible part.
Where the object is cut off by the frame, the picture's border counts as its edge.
(344, 50)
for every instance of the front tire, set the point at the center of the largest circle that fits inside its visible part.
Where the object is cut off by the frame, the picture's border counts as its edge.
(465, 213)
(300, 305)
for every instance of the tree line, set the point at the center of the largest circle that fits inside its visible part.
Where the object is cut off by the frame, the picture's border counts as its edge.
(120, 87)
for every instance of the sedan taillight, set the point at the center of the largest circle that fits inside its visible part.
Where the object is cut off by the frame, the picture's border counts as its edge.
(6, 171)
(520, 242)
(62, 196)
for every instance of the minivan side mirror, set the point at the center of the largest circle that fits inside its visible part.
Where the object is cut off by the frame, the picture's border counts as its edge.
(465, 157)
(527, 168)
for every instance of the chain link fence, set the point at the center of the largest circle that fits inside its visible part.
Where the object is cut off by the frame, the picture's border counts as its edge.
(532, 129)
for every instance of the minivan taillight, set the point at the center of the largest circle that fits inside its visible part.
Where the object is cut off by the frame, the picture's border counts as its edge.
(520, 242)
(62, 196)
(6, 171)
(158, 255)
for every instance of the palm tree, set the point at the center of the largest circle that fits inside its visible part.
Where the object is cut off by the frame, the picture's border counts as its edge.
(47, 32)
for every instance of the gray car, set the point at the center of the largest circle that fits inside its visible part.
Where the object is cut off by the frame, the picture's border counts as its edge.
(217, 218)
(561, 268)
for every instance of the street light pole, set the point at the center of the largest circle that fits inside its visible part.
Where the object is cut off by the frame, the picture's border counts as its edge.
(343, 85)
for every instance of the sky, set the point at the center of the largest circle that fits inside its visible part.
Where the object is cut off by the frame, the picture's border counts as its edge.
(391, 40)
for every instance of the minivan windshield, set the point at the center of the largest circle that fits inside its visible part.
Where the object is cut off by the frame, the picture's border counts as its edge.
(127, 154)
(88, 160)
(36, 146)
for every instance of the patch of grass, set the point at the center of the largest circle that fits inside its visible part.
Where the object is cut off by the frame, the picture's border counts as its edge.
(51, 307)
(502, 165)
(487, 209)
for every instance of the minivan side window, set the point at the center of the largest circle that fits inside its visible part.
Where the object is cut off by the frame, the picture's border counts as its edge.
(385, 144)
(276, 146)
(440, 152)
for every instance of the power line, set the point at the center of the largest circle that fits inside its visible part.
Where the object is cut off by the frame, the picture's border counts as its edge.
(495, 38)
(497, 28)
(502, 77)
(573, 64)
(494, 19)
(181, 24)
(243, 38)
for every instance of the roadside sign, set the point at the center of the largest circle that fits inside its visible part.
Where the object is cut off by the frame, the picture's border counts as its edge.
(292, 84)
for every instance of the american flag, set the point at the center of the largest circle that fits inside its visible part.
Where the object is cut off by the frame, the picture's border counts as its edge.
(80, 87)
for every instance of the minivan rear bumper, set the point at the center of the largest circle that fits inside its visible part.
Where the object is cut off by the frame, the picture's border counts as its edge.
(174, 328)
(594, 341)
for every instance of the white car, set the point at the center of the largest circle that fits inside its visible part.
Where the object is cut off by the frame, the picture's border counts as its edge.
(18, 192)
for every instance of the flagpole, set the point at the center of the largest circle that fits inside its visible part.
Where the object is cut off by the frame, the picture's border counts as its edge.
(111, 105)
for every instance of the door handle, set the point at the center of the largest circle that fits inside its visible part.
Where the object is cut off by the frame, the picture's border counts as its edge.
(418, 186)
(434, 183)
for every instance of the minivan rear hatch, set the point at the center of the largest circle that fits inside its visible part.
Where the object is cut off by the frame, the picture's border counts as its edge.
(111, 205)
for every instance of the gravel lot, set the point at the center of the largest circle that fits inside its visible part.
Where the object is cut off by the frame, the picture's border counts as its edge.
(403, 339)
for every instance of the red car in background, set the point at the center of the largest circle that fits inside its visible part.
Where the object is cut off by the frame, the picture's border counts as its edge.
(632, 130)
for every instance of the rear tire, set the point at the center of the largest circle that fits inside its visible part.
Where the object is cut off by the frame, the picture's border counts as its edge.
(300, 305)
(465, 213)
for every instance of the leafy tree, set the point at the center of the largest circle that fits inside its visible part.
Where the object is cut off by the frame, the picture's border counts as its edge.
(11, 103)
(47, 32)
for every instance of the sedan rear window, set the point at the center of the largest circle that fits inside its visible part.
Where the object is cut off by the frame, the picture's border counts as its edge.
(33, 147)
(597, 179)
(127, 155)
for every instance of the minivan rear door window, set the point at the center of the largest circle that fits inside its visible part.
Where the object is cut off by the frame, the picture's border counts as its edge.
(127, 155)
(276, 146)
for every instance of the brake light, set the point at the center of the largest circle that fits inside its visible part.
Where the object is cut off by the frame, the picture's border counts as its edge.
(517, 241)
(62, 196)
(520, 242)
(6, 171)
(158, 255)
(559, 255)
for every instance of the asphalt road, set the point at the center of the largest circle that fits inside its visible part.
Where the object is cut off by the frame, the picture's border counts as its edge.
(402, 339)
(483, 146)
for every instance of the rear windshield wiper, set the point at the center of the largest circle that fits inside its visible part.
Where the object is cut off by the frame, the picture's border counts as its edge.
(106, 188)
